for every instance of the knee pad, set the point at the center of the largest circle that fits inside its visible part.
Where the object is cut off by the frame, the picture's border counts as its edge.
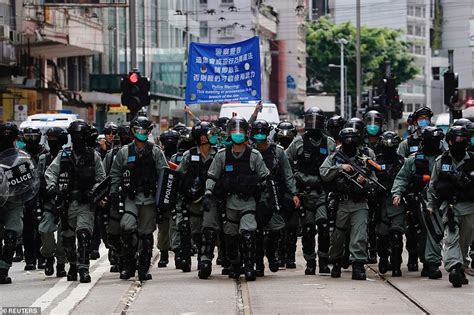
(247, 235)
(396, 239)
(9, 238)
(129, 240)
(83, 236)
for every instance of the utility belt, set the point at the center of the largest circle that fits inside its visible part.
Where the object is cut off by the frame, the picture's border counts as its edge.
(303, 188)
(131, 193)
(351, 197)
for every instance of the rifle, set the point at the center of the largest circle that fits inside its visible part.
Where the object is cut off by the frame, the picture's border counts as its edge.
(61, 204)
(332, 205)
(450, 217)
(373, 186)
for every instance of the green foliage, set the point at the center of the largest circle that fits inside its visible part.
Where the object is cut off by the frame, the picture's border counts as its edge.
(378, 45)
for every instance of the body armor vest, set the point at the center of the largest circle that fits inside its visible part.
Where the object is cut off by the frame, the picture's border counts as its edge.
(141, 170)
(312, 157)
(77, 174)
(194, 181)
(239, 177)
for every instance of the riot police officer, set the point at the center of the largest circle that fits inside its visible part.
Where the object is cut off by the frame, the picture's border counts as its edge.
(270, 220)
(191, 221)
(374, 127)
(110, 130)
(285, 132)
(421, 119)
(334, 126)
(452, 183)
(409, 186)
(56, 139)
(33, 208)
(13, 194)
(236, 175)
(134, 175)
(351, 196)
(390, 220)
(169, 142)
(306, 153)
(71, 178)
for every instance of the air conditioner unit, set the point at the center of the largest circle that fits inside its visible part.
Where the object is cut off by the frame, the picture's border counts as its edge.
(16, 37)
(4, 32)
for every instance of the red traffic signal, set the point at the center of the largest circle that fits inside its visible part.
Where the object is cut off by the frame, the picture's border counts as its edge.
(134, 77)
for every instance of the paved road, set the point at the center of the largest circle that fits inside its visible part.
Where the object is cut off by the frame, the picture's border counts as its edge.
(286, 292)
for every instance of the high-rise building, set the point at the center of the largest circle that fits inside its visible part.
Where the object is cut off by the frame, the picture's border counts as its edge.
(415, 19)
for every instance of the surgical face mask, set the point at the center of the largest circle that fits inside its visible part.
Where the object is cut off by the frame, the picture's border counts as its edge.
(260, 137)
(227, 142)
(373, 130)
(20, 144)
(472, 141)
(141, 137)
(213, 139)
(423, 123)
(238, 138)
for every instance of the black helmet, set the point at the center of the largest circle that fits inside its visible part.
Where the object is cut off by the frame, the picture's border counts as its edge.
(422, 111)
(430, 140)
(125, 134)
(179, 126)
(169, 137)
(221, 123)
(79, 128)
(285, 132)
(32, 135)
(334, 125)
(458, 139)
(260, 127)
(350, 139)
(110, 127)
(237, 123)
(462, 122)
(141, 127)
(204, 128)
(373, 121)
(390, 139)
(185, 134)
(9, 129)
(57, 134)
(357, 124)
(314, 119)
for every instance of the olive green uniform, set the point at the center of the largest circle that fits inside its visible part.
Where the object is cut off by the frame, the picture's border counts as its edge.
(457, 242)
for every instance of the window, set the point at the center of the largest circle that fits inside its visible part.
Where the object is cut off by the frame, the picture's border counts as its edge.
(226, 31)
(418, 31)
(409, 107)
(203, 28)
(418, 11)
(410, 10)
(203, 2)
(418, 89)
(410, 30)
(227, 1)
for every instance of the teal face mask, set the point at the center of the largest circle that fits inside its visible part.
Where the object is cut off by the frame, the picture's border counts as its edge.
(141, 137)
(260, 137)
(373, 130)
(238, 138)
(227, 142)
(472, 141)
(213, 139)
(20, 144)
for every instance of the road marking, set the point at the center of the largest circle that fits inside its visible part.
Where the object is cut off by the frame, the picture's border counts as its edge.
(62, 285)
(80, 292)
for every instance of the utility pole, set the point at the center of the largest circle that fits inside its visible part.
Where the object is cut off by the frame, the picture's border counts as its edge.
(125, 40)
(358, 62)
(133, 34)
(342, 42)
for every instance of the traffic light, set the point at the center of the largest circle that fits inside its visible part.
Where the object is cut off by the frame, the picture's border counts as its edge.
(451, 83)
(135, 91)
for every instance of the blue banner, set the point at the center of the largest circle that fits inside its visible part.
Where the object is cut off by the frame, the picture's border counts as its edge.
(219, 73)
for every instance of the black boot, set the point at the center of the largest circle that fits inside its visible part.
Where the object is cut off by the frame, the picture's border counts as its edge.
(456, 276)
(84, 243)
(309, 243)
(94, 255)
(248, 240)
(413, 262)
(396, 244)
(208, 243)
(60, 270)
(197, 241)
(336, 269)
(292, 238)
(232, 255)
(259, 253)
(72, 272)
(144, 257)
(4, 278)
(464, 281)
(383, 243)
(29, 267)
(128, 260)
(271, 248)
(115, 247)
(358, 271)
(425, 270)
(49, 267)
(310, 267)
(41, 263)
(282, 249)
(185, 234)
(164, 259)
(434, 272)
(323, 265)
(178, 253)
(84, 276)
(346, 258)
(18, 256)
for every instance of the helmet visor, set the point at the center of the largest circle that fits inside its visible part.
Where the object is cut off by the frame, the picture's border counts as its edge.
(314, 121)
(237, 126)
(32, 137)
(140, 130)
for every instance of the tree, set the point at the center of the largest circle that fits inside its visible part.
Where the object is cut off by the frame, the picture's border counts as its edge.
(378, 45)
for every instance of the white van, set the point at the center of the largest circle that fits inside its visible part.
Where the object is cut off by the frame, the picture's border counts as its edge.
(46, 121)
(269, 111)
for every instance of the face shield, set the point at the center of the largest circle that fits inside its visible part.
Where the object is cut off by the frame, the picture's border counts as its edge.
(237, 131)
(314, 122)
(140, 133)
(213, 136)
(32, 137)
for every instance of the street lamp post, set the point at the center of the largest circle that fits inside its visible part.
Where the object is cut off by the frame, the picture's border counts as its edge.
(343, 86)
(342, 42)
